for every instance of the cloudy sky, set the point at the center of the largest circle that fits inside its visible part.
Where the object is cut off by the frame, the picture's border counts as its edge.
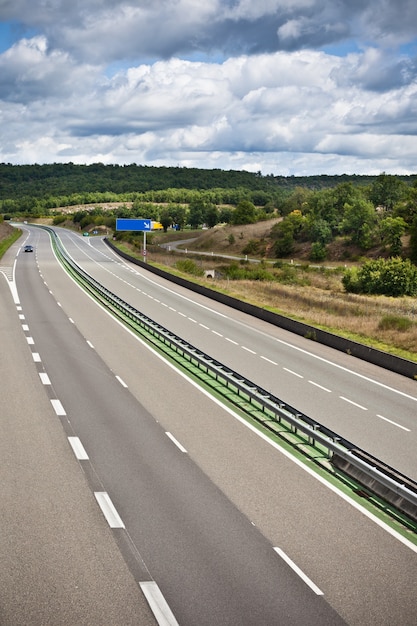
(278, 86)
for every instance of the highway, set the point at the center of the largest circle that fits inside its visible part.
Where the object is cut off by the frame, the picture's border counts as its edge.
(373, 408)
(232, 530)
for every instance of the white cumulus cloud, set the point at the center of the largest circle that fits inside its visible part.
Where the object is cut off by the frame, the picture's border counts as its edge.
(283, 86)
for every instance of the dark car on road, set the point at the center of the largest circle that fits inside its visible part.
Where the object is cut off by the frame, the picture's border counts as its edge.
(28, 249)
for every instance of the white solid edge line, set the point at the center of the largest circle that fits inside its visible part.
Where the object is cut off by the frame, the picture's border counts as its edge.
(177, 443)
(158, 604)
(108, 509)
(264, 437)
(58, 408)
(78, 448)
(298, 571)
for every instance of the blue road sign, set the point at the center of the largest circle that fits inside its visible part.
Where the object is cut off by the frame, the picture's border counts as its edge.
(133, 224)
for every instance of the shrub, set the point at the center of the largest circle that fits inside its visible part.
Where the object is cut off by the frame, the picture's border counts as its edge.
(252, 247)
(59, 219)
(244, 213)
(289, 275)
(284, 245)
(261, 274)
(234, 272)
(318, 251)
(394, 322)
(391, 277)
(188, 266)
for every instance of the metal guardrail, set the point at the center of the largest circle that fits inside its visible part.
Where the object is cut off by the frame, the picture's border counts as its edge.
(269, 405)
(388, 361)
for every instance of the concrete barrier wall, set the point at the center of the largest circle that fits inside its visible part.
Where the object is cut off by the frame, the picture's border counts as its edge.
(377, 357)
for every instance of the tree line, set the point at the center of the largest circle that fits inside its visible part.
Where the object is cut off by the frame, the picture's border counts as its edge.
(52, 182)
(367, 212)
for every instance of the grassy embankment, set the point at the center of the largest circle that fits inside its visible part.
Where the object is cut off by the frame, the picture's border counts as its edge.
(8, 235)
(299, 290)
(307, 293)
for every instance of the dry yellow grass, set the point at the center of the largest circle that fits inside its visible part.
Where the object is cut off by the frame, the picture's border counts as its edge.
(318, 298)
(349, 314)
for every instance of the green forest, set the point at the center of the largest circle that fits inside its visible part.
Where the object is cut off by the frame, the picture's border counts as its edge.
(23, 187)
(330, 217)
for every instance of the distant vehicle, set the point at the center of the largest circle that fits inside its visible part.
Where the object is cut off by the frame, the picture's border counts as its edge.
(28, 249)
(86, 234)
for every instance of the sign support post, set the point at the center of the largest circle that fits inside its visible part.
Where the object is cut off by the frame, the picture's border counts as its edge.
(135, 225)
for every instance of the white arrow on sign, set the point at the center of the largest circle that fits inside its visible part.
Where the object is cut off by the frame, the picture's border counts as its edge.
(147, 225)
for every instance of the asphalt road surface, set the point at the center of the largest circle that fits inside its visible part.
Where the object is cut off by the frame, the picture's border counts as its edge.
(375, 409)
(59, 562)
(224, 525)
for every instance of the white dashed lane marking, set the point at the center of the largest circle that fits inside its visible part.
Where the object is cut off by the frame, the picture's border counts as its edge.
(319, 386)
(291, 372)
(393, 423)
(177, 443)
(121, 381)
(265, 358)
(57, 406)
(108, 509)
(78, 448)
(298, 571)
(359, 406)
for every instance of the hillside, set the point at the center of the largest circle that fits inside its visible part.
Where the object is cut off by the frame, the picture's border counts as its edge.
(63, 179)
(313, 295)
(234, 240)
(255, 241)
(304, 291)
(5, 230)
